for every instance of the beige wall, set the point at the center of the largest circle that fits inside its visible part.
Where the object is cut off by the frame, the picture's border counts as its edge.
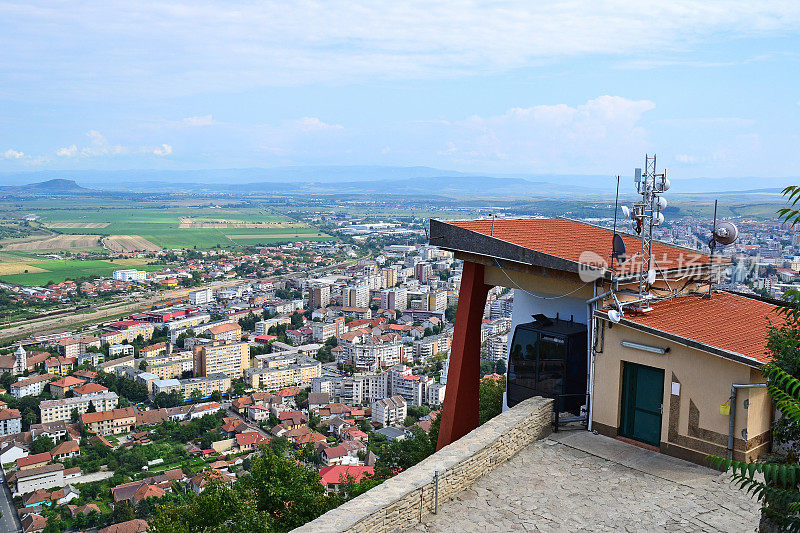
(705, 381)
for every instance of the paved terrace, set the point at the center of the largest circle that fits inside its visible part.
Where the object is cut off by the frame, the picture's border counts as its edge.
(512, 474)
(576, 481)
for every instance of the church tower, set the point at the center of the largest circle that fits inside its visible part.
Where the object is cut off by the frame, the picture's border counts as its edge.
(21, 360)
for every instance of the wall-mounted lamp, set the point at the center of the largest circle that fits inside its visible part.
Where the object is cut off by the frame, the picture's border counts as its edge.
(645, 347)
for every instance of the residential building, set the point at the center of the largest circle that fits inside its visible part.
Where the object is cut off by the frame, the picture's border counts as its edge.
(30, 386)
(389, 411)
(322, 331)
(171, 366)
(54, 410)
(129, 275)
(319, 296)
(155, 350)
(333, 476)
(395, 298)
(206, 385)
(281, 371)
(60, 387)
(226, 332)
(356, 296)
(372, 355)
(61, 365)
(10, 422)
(42, 477)
(497, 347)
(230, 358)
(201, 297)
(112, 422)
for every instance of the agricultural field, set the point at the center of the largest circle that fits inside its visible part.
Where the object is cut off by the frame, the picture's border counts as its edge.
(40, 272)
(127, 229)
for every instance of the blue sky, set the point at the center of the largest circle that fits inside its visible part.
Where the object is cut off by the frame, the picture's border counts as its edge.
(574, 87)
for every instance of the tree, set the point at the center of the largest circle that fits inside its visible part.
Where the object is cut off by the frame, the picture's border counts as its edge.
(500, 367)
(196, 395)
(216, 396)
(123, 511)
(42, 444)
(91, 408)
(74, 415)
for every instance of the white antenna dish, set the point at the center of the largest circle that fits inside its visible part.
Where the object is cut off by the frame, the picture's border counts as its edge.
(726, 233)
(658, 219)
(661, 203)
(626, 212)
(614, 316)
(651, 276)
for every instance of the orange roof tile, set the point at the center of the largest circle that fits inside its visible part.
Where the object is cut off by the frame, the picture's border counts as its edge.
(725, 321)
(574, 238)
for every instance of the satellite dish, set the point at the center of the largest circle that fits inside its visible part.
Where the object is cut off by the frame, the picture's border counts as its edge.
(651, 276)
(726, 233)
(614, 316)
(626, 212)
(618, 250)
(658, 218)
(661, 203)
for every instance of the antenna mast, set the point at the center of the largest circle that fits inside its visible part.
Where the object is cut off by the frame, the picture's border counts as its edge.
(645, 214)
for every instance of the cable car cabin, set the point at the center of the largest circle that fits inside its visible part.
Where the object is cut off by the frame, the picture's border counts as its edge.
(548, 358)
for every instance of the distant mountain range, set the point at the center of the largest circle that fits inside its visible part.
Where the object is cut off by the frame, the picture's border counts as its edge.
(362, 179)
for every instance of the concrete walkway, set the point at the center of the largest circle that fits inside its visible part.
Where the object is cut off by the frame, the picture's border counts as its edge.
(577, 481)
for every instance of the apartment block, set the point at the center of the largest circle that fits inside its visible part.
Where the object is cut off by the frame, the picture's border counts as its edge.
(284, 371)
(54, 410)
(356, 296)
(200, 297)
(229, 358)
(389, 411)
(226, 332)
(319, 295)
(206, 385)
(113, 422)
(10, 422)
(396, 299)
(31, 386)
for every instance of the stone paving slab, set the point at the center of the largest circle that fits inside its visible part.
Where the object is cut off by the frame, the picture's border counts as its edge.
(549, 486)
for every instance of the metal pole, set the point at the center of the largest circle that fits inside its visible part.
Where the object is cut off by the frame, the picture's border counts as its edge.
(436, 492)
(712, 244)
(732, 415)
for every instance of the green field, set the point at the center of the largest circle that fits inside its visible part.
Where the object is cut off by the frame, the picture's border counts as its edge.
(175, 227)
(60, 270)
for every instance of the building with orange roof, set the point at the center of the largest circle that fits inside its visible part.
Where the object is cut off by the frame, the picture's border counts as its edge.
(632, 348)
(332, 477)
(87, 388)
(60, 387)
(112, 422)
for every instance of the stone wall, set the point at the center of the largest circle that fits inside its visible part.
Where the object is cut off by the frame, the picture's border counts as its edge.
(402, 501)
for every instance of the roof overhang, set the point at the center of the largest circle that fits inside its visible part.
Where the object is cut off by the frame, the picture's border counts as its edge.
(457, 239)
(678, 339)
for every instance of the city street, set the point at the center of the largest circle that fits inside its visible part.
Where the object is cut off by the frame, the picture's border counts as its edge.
(9, 521)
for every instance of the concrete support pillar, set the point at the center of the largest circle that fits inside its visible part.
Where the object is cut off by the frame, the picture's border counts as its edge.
(460, 410)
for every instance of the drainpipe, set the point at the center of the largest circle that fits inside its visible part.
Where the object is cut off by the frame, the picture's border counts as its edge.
(732, 416)
(590, 305)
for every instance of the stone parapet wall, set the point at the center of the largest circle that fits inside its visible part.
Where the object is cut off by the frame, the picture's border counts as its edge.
(402, 501)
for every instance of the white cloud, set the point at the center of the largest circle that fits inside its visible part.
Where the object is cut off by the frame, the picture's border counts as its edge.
(13, 154)
(307, 124)
(67, 151)
(685, 158)
(553, 138)
(205, 120)
(162, 150)
(99, 146)
(191, 47)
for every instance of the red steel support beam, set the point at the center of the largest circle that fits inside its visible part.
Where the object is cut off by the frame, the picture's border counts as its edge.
(460, 411)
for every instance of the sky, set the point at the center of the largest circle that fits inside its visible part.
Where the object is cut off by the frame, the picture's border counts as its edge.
(504, 87)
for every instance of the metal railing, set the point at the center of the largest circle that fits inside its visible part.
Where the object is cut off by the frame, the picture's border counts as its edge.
(557, 420)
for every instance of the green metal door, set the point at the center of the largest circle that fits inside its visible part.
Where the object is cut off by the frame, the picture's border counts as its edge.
(642, 397)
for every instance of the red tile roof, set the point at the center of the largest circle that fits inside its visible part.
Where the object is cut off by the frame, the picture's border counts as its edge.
(725, 321)
(34, 459)
(339, 473)
(568, 239)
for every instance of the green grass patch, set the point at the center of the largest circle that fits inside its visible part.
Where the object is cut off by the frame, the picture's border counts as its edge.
(61, 270)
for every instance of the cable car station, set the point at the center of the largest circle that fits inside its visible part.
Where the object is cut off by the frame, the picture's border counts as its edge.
(625, 333)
